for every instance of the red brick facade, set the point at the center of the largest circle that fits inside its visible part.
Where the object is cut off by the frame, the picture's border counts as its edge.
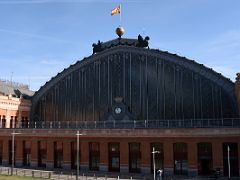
(55, 146)
(13, 110)
(191, 137)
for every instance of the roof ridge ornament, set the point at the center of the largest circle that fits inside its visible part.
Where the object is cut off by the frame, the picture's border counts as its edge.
(120, 31)
(139, 42)
(142, 42)
(97, 47)
(238, 79)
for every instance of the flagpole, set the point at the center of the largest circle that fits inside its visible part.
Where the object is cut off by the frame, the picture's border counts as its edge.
(120, 15)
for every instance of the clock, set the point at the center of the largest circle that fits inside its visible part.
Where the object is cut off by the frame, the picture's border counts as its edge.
(118, 110)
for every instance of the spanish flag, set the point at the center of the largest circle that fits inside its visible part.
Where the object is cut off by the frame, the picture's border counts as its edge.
(116, 10)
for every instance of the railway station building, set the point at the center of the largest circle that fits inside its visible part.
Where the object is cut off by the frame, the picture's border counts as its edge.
(126, 99)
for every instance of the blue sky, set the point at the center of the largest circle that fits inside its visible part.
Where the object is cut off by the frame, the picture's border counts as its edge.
(39, 38)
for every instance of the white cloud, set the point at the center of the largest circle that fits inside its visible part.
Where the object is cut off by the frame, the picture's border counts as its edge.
(36, 36)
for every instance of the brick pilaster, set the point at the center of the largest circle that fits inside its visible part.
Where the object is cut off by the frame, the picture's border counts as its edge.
(5, 151)
(192, 158)
(50, 155)
(103, 156)
(146, 156)
(19, 152)
(67, 155)
(124, 156)
(168, 157)
(217, 150)
(84, 160)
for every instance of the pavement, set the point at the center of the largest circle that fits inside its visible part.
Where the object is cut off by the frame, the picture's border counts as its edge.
(59, 175)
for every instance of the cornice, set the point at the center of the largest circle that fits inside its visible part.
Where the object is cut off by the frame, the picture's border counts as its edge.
(129, 133)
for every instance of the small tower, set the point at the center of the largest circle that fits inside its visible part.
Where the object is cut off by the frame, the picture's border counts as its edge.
(237, 90)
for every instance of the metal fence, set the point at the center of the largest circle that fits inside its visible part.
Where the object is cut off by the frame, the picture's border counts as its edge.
(132, 124)
(64, 175)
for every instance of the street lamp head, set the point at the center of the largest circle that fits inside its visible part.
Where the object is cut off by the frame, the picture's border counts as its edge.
(80, 134)
(15, 133)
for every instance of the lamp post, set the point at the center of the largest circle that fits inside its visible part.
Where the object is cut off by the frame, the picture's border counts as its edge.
(154, 166)
(228, 150)
(78, 154)
(13, 137)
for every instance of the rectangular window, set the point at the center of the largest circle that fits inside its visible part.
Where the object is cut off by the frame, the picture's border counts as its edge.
(58, 155)
(26, 153)
(11, 122)
(74, 155)
(134, 157)
(15, 121)
(94, 156)
(3, 121)
(114, 157)
(180, 158)
(42, 154)
(204, 158)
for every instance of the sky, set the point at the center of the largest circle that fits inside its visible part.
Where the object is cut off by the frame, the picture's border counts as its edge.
(39, 38)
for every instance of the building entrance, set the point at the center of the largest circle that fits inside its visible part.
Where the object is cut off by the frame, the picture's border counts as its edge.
(58, 154)
(42, 154)
(94, 156)
(26, 153)
(134, 157)
(204, 158)
(205, 166)
(74, 155)
(114, 157)
(180, 159)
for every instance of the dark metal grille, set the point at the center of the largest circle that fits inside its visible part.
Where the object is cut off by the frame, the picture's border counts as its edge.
(152, 88)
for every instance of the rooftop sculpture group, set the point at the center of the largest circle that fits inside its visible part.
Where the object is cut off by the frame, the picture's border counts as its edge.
(140, 42)
(97, 47)
(238, 78)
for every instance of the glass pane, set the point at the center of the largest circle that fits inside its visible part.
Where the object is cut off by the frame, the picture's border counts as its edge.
(94, 147)
(157, 146)
(134, 147)
(180, 147)
(95, 161)
(115, 162)
(114, 147)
